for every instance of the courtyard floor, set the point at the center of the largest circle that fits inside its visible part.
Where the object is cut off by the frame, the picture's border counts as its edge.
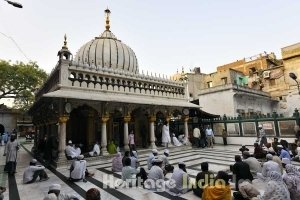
(219, 158)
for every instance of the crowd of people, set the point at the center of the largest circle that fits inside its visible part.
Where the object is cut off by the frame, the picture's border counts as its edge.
(270, 164)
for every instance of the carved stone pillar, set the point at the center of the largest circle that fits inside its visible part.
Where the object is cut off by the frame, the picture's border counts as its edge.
(126, 142)
(104, 120)
(152, 119)
(186, 130)
(62, 134)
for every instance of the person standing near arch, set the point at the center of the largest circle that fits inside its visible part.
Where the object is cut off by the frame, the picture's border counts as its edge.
(166, 139)
(131, 140)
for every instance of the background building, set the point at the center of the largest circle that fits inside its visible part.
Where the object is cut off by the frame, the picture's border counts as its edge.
(259, 85)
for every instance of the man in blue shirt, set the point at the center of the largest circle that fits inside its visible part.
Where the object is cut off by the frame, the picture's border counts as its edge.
(283, 153)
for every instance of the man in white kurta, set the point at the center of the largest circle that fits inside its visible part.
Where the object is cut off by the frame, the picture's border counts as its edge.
(150, 158)
(78, 169)
(155, 176)
(196, 135)
(165, 135)
(164, 158)
(175, 141)
(55, 189)
(33, 171)
(70, 151)
(11, 152)
(96, 150)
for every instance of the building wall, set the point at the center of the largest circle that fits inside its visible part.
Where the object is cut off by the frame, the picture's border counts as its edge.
(252, 104)
(8, 120)
(218, 103)
(259, 62)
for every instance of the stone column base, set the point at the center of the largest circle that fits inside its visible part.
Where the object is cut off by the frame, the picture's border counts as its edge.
(152, 145)
(104, 152)
(126, 148)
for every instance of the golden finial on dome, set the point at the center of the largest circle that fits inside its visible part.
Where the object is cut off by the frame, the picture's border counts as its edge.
(65, 41)
(107, 13)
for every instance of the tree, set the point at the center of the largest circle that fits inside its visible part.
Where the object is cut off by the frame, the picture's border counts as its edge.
(19, 81)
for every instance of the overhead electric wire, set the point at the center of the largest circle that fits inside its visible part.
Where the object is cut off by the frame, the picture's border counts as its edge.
(19, 48)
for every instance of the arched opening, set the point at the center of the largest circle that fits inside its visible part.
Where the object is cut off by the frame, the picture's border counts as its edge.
(2, 129)
(84, 127)
(140, 127)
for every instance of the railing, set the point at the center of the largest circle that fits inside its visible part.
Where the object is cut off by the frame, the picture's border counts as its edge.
(274, 125)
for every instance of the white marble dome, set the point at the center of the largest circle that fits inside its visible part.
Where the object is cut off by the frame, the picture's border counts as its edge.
(107, 51)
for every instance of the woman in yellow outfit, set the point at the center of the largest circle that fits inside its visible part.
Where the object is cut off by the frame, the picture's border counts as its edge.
(220, 191)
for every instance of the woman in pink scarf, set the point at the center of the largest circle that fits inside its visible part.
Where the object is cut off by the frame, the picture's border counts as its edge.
(292, 180)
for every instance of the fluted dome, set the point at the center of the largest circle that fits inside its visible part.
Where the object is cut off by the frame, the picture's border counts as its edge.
(107, 51)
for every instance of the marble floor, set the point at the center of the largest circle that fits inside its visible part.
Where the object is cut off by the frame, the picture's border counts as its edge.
(219, 158)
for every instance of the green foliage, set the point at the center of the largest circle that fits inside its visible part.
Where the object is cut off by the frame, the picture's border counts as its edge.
(19, 81)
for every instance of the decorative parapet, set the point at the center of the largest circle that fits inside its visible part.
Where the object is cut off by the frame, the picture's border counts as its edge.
(108, 79)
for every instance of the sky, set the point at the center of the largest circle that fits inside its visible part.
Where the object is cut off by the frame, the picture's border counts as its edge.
(165, 35)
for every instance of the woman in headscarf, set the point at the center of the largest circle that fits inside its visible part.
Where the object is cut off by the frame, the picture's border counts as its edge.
(292, 180)
(276, 189)
(117, 163)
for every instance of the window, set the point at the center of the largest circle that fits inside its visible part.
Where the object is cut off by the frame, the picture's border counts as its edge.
(191, 95)
(209, 84)
(280, 98)
(224, 80)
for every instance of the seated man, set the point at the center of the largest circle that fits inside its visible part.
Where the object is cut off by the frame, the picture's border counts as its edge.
(129, 173)
(241, 170)
(181, 180)
(243, 148)
(77, 150)
(164, 158)
(258, 152)
(70, 151)
(78, 169)
(150, 158)
(283, 153)
(155, 174)
(96, 150)
(218, 190)
(275, 144)
(253, 163)
(203, 178)
(175, 140)
(55, 189)
(32, 172)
